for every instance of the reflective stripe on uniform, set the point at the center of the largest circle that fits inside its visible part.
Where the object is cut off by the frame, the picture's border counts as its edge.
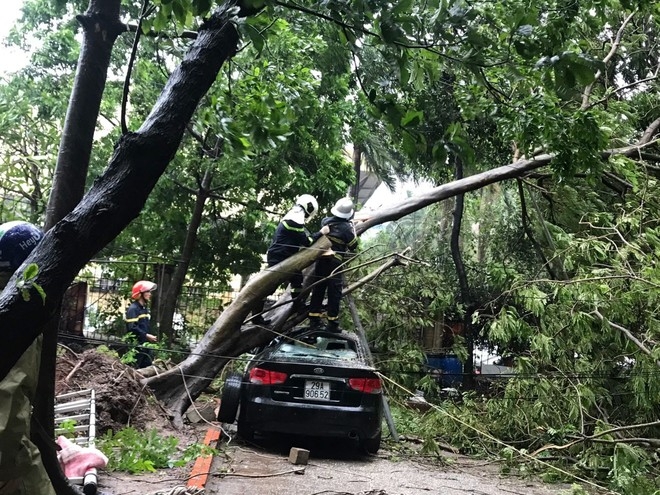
(135, 320)
(289, 227)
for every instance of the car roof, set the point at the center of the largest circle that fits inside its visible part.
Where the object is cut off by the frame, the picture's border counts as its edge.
(302, 335)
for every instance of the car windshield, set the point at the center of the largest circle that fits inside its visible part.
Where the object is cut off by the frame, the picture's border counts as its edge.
(318, 346)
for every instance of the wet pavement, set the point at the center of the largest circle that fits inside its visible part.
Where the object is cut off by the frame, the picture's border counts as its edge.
(338, 468)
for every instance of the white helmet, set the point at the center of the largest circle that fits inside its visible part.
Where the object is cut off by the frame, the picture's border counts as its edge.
(343, 208)
(308, 203)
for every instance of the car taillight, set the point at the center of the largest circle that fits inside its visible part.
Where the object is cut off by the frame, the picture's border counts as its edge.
(261, 376)
(366, 385)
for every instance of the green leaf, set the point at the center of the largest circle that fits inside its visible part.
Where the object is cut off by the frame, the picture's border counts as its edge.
(41, 292)
(31, 271)
(409, 144)
(202, 7)
(179, 10)
(161, 20)
(391, 32)
(413, 117)
(401, 6)
(256, 37)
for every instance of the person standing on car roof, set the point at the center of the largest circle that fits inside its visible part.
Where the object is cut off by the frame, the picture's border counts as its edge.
(327, 275)
(138, 321)
(21, 469)
(290, 236)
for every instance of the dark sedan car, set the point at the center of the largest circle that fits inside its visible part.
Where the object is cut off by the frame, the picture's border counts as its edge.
(312, 383)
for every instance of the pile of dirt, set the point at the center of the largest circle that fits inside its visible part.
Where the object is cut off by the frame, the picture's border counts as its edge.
(121, 400)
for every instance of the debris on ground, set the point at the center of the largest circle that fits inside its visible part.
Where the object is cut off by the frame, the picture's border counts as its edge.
(121, 400)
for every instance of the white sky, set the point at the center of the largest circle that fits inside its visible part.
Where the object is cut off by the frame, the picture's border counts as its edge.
(9, 59)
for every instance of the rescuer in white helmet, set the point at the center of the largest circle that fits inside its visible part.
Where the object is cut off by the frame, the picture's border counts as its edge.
(327, 276)
(290, 236)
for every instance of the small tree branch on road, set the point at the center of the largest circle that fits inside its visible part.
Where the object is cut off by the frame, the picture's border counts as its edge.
(628, 335)
(594, 436)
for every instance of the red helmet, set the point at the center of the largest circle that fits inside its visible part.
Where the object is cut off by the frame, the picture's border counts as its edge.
(142, 286)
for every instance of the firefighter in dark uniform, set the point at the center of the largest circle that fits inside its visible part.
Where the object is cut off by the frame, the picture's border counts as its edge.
(138, 321)
(327, 276)
(291, 235)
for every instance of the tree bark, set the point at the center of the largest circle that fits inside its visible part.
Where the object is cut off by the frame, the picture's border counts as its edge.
(168, 303)
(118, 196)
(463, 283)
(101, 27)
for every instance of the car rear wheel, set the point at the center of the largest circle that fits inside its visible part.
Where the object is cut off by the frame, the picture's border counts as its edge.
(231, 397)
(370, 445)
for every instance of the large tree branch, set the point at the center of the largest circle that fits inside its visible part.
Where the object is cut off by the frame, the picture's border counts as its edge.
(515, 170)
(649, 132)
(118, 196)
(101, 27)
(608, 57)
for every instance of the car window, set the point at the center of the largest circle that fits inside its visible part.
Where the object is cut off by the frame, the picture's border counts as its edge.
(319, 346)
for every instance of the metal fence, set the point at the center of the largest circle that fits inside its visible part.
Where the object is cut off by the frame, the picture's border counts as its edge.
(93, 307)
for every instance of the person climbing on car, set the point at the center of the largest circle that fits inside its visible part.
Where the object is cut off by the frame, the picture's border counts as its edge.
(290, 236)
(137, 321)
(21, 469)
(327, 275)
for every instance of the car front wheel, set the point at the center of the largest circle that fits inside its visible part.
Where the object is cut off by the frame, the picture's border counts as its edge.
(231, 397)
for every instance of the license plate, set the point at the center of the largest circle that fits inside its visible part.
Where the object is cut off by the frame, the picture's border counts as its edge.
(317, 390)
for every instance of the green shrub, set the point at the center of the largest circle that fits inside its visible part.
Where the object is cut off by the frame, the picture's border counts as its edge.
(138, 452)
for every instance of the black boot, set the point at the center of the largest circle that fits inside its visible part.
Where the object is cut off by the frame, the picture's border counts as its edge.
(315, 323)
(333, 326)
(298, 302)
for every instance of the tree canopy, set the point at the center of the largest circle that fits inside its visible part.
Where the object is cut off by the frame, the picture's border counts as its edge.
(233, 109)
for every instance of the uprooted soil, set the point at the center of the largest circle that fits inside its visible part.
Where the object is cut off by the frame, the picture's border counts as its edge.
(121, 400)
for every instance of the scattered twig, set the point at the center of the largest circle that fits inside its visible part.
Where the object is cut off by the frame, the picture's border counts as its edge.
(67, 348)
(628, 334)
(73, 371)
(120, 375)
(593, 437)
(269, 475)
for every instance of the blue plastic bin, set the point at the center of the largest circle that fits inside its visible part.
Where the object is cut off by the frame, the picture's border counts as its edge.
(451, 367)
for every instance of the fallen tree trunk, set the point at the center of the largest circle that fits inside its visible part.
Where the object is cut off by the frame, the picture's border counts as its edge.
(228, 339)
